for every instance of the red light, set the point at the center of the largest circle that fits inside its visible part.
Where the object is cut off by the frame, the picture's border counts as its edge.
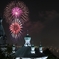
(15, 28)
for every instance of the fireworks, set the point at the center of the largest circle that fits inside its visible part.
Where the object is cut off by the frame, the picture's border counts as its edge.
(16, 10)
(16, 14)
(15, 28)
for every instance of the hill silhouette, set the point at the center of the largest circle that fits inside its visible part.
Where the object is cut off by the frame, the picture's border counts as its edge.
(50, 54)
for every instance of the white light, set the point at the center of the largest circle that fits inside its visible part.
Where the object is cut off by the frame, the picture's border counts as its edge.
(26, 58)
(18, 58)
(33, 50)
(42, 57)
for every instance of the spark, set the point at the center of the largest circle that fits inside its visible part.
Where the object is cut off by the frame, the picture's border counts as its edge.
(16, 10)
(16, 28)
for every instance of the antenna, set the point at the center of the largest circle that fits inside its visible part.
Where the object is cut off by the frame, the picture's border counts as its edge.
(27, 32)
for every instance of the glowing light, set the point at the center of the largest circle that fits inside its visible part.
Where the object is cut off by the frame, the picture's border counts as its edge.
(16, 28)
(16, 12)
(16, 9)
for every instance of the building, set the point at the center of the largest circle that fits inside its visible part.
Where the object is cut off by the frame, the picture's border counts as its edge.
(2, 33)
(28, 51)
(3, 45)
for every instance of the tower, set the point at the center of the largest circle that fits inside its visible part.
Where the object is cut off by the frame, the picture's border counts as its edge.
(13, 48)
(3, 45)
(27, 39)
(32, 49)
(2, 33)
(40, 48)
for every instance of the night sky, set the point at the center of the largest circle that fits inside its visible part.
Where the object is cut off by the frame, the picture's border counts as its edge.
(43, 24)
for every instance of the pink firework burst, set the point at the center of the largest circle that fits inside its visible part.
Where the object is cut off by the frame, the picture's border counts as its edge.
(16, 12)
(16, 9)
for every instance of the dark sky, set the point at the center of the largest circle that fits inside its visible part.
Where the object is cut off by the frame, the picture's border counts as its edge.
(44, 22)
